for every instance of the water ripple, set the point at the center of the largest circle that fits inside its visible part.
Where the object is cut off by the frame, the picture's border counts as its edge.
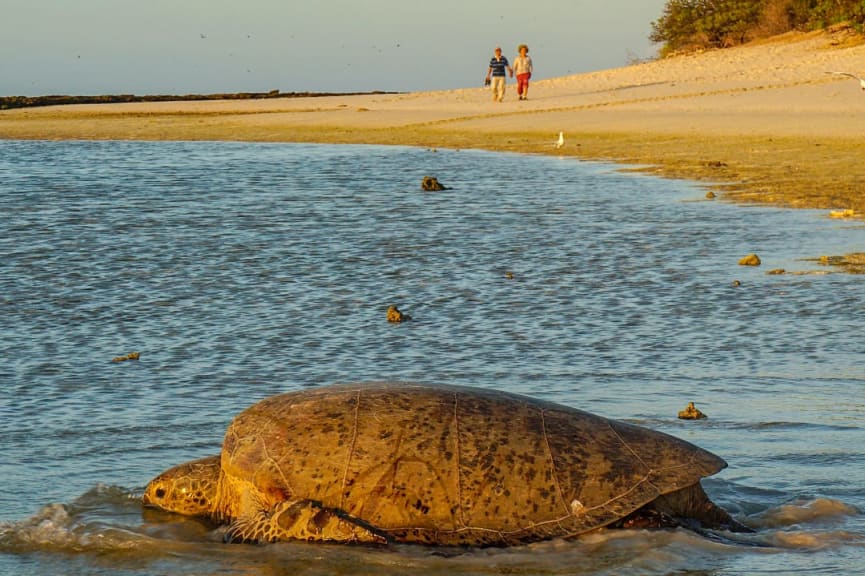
(243, 270)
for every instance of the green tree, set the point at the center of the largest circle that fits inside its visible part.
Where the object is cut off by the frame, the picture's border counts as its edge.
(827, 12)
(704, 23)
(690, 24)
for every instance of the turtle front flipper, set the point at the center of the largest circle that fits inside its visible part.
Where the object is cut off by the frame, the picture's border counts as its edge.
(302, 520)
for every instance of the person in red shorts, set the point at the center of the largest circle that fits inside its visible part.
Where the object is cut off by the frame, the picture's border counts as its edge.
(523, 71)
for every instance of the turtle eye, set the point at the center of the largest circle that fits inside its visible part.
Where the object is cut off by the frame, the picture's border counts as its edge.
(160, 492)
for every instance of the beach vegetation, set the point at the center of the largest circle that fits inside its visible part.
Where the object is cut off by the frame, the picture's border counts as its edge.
(688, 25)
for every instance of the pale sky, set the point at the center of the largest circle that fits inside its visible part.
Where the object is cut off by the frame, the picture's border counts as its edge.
(211, 46)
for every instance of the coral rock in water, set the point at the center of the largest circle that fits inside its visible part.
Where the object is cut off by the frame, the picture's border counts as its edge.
(394, 315)
(431, 184)
(691, 413)
(750, 260)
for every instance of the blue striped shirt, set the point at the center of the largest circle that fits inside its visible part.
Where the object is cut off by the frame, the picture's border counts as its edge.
(498, 66)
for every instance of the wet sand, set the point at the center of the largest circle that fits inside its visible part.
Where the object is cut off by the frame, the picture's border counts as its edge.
(761, 123)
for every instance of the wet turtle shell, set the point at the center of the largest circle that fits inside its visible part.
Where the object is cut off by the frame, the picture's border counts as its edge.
(441, 465)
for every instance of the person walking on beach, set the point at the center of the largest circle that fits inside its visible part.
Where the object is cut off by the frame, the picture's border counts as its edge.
(523, 71)
(498, 65)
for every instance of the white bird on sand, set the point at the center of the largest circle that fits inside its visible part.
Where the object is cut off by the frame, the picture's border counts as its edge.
(561, 141)
(861, 80)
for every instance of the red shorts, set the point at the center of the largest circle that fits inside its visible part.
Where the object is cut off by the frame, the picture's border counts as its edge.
(523, 82)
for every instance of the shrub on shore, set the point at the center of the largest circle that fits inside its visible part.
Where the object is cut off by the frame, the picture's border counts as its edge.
(688, 25)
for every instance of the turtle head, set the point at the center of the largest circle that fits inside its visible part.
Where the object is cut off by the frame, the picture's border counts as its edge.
(188, 488)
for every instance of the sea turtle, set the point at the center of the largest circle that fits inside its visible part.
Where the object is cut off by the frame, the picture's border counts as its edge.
(447, 465)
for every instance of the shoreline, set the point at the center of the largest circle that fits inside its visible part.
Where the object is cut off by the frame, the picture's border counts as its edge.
(14, 102)
(761, 123)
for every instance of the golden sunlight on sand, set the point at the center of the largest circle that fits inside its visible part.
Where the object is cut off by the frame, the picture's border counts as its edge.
(761, 122)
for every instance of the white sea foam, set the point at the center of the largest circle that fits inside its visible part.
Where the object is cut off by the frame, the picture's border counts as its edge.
(50, 527)
(812, 540)
(817, 511)
(73, 528)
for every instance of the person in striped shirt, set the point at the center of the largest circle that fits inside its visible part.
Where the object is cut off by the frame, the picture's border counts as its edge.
(498, 65)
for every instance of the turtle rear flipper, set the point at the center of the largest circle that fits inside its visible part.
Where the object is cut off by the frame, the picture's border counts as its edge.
(692, 504)
(302, 520)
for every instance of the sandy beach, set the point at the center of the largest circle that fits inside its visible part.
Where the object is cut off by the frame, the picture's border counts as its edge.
(760, 123)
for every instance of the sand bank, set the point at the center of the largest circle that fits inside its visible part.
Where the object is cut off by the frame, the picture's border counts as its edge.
(762, 123)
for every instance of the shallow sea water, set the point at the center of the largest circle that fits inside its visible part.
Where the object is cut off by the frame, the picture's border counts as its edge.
(243, 270)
